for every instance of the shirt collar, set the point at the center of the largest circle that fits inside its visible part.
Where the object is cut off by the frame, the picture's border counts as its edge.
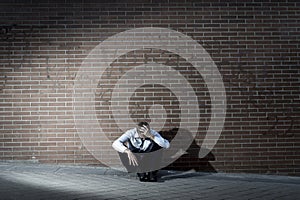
(136, 135)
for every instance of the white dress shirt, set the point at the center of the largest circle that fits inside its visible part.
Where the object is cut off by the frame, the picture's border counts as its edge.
(137, 142)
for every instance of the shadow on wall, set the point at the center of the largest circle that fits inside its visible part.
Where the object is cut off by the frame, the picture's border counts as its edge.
(189, 160)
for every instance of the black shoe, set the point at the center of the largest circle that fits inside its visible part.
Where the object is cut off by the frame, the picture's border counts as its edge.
(152, 176)
(143, 177)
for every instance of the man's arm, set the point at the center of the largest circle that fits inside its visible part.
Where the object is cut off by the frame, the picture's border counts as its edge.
(156, 137)
(118, 144)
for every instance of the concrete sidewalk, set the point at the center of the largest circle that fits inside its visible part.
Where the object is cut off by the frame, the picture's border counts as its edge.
(40, 181)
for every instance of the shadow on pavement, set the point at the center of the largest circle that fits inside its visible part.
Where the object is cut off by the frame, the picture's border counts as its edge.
(189, 162)
(190, 159)
(165, 176)
(15, 188)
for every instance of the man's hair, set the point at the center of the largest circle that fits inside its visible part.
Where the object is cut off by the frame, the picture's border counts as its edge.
(140, 124)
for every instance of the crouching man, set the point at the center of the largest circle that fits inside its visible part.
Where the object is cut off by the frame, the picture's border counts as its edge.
(133, 145)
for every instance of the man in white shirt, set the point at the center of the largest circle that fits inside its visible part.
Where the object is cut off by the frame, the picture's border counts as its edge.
(134, 143)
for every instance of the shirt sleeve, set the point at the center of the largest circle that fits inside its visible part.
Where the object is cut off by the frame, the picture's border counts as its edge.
(158, 139)
(118, 144)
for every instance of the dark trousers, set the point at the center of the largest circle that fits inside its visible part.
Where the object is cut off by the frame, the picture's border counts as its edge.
(144, 161)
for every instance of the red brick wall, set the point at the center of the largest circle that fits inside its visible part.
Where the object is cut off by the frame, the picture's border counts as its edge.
(255, 46)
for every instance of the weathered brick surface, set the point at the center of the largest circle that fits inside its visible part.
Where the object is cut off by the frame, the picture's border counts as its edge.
(255, 45)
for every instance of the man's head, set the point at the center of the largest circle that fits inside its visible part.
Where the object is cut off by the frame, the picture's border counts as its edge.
(142, 124)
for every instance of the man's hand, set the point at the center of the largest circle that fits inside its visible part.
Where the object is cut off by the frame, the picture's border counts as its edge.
(131, 157)
(146, 132)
